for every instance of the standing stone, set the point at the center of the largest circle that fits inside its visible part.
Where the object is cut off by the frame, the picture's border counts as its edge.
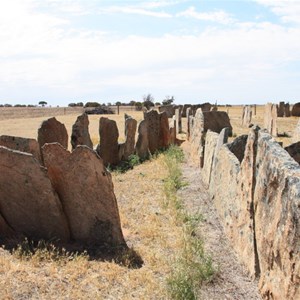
(80, 132)
(188, 129)
(247, 116)
(52, 131)
(164, 133)
(287, 112)
(178, 120)
(169, 109)
(108, 149)
(153, 123)
(142, 144)
(28, 202)
(280, 109)
(254, 110)
(296, 110)
(126, 149)
(86, 191)
(22, 144)
(172, 127)
(184, 109)
(270, 118)
(294, 151)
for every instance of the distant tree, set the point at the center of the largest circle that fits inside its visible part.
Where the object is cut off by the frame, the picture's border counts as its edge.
(80, 104)
(92, 104)
(43, 103)
(138, 105)
(148, 101)
(7, 105)
(157, 103)
(118, 103)
(72, 104)
(109, 103)
(168, 100)
(31, 105)
(132, 103)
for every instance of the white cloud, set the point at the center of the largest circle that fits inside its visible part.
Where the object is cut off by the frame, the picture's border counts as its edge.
(287, 10)
(215, 16)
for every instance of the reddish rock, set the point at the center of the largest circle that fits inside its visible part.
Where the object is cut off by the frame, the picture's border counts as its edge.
(126, 149)
(28, 202)
(172, 126)
(169, 109)
(142, 144)
(86, 191)
(80, 132)
(164, 133)
(294, 151)
(296, 110)
(152, 119)
(52, 131)
(21, 144)
(108, 149)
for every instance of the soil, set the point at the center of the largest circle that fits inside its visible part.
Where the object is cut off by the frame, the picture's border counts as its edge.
(231, 280)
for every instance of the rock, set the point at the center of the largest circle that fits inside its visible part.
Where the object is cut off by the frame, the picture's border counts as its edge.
(238, 146)
(280, 109)
(172, 126)
(108, 149)
(184, 109)
(5, 230)
(270, 118)
(142, 144)
(169, 109)
(276, 202)
(247, 116)
(287, 111)
(296, 110)
(22, 144)
(188, 129)
(127, 148)
(164, 132)
(86, 191)
(152, 119)
(178, 120)
(28, 202)
(294, 151)
(52, 131)
(80, 132)
(296, 135)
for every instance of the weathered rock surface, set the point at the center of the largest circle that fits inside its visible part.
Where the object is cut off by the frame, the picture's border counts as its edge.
(21, 144)
(172, 126)
(287, 111)
(28, 202)
(178, 120)
(270, 118)
(126, 149)
(52, 131)
(276, 202)
(80, 132)
(152, 119)
(280, 109)
(169, 109)
(184, 109)
(86, 192)
(142, 144)
(294, 151)
(108, 149)
(238, 146)
(247, 116)
(164, 133)
(188, 129)
(296, 110)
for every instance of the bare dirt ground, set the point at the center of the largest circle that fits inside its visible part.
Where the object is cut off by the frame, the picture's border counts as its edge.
(232, 281)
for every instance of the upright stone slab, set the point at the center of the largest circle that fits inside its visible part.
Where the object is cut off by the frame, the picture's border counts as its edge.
(270, 118)
(184, 109)
(172, 126)
(127, 148)
(169, 109)
(280, 109)
(142, 144)
(28, 202)
(188, 129)
(152, 119)
(296, 110)
(80, 132)
(287, 111)
(108, 149)
(86, 190)
(277, 215)
(238, 146)
(178, 120)
(164, 132)
(247, 116)
(52, 131)
(21, 144)
(294, 151)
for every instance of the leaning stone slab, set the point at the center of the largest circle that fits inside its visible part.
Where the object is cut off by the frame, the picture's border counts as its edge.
(28, 202)
(21, 144)
(108, 149)
(52, 131)
(277, 215)
(86, 191)
(80, 132)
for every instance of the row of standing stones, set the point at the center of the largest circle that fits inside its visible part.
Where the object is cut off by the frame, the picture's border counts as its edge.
(255, 185)
(47, 192)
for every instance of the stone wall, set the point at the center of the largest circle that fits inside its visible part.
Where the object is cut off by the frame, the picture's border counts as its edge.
(257, 198)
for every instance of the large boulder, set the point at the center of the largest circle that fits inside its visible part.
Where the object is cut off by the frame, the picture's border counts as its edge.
(21, 144)
(296, 110)
(142, 144)
(108, 149)
(86, 191)
(80, 132)
(28, 202)
(52, 131)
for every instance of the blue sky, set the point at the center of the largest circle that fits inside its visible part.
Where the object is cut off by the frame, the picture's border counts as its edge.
(64, 51)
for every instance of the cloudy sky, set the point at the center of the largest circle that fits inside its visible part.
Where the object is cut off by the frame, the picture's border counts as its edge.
(64, 51)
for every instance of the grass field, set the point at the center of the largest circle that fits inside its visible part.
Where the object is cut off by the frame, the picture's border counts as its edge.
(150, 227)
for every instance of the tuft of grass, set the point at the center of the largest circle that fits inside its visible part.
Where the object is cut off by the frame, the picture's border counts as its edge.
(193, 266)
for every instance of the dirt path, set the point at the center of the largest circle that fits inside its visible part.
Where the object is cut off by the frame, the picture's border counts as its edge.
(232, 281)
